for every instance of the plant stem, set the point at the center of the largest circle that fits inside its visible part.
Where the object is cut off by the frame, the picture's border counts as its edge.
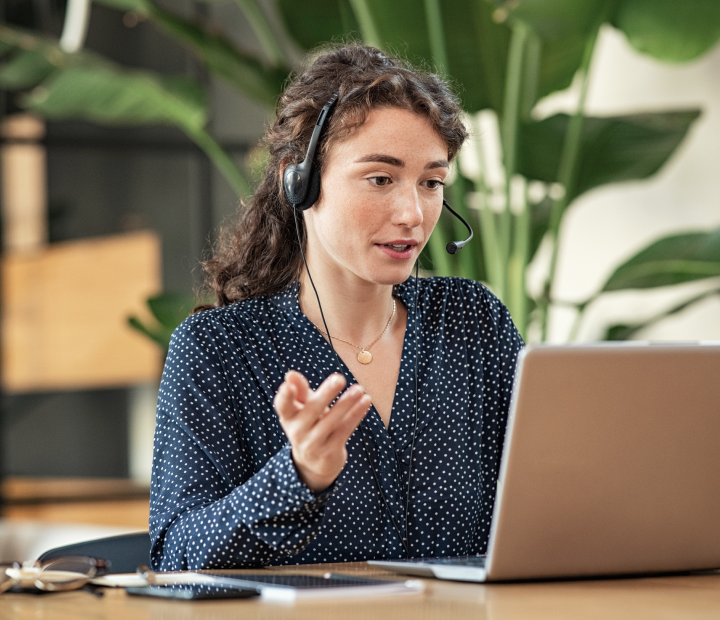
(517, 295)
(368, 28)
(577, 321)
(468, 266)
(440, 257)
(488, 230)
(522, 220)
(567, 174)
(261, 27)
(436, 35)
(509, 131)
(223, 162)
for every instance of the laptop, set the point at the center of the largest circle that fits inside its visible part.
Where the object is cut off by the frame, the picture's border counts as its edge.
(611, 466)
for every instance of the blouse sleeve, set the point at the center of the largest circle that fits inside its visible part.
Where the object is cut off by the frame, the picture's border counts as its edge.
(210, 506)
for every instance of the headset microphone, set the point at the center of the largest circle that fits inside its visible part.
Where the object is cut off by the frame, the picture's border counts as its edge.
(454, 246)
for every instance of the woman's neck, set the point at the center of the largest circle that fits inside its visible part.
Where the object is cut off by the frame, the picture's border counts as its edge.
(355, 311)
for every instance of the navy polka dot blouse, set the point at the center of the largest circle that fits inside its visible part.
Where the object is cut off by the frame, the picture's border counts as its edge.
(225, 492)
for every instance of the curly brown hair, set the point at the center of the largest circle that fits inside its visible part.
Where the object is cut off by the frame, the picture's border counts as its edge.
(262, 256)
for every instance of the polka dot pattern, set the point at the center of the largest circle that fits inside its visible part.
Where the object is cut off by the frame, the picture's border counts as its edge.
(225, 492)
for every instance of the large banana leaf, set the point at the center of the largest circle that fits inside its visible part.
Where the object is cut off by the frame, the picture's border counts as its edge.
(476, 47)
(563, 27)
(316, 21)
(623, 331)
(110, 95)
(86, 86)
(240, 68)
(168, 310)
(24, 68)
(139, 6)
(612, 149)
(671, 30)
(476, 44)
(672, 260)
(556, 19)
(666, 29)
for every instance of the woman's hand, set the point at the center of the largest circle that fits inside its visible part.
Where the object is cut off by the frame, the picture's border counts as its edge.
(317, 432)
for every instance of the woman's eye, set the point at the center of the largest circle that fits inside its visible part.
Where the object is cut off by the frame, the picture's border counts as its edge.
(379, 181)
(434, 184)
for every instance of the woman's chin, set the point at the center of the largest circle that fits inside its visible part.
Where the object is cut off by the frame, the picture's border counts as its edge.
(391, 277)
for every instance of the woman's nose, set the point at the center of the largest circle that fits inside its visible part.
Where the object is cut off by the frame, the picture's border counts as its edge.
(408, 211)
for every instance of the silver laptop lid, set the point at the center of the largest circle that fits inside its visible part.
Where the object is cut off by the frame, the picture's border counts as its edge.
(611, 463)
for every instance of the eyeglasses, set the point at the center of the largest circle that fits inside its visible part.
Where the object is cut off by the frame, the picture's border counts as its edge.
(59, 574)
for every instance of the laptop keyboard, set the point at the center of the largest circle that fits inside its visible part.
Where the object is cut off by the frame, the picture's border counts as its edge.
(465, 560)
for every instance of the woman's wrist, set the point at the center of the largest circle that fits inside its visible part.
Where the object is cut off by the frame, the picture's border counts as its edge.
(314, 482)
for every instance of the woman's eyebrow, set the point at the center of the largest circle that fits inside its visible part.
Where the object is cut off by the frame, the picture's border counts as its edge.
(382, 159)
(440, 163)
(398, 163)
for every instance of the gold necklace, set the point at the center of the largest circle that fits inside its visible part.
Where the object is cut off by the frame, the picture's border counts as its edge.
(364, 357)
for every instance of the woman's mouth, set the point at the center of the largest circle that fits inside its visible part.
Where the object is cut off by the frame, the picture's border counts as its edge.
(397, 248)
(401, 251)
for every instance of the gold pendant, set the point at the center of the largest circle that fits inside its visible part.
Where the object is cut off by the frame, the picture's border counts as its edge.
(364, 357)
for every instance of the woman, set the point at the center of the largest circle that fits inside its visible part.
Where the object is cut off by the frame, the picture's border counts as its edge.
(261, 454)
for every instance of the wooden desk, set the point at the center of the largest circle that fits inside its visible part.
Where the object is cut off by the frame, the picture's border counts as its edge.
(97, 501)
(679, 598)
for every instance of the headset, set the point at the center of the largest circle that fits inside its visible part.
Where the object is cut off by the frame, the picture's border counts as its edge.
(301, 186)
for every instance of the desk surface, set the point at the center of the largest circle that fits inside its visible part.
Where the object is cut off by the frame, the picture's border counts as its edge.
(680, 598)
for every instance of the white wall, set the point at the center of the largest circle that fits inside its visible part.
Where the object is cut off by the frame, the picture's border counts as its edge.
(609, 224)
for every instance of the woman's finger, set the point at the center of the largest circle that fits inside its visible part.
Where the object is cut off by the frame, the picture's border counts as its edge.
(328, 423)
(285, 401)
(319, 400)
(347, 423)
(300, 383)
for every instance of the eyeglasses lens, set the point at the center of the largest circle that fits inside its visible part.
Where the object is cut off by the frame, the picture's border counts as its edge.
(68, 573)
(7, 580)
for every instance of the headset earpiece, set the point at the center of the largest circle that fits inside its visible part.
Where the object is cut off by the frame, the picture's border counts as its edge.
(301, 182)
(301, 186)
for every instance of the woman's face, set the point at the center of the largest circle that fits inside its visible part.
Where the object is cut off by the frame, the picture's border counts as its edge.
(381, 198)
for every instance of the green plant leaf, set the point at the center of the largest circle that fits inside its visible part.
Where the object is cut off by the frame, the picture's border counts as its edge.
(555, 19)
(171, 309)
(477, 53)
(312, 22)
(88, 86)
(612, 149)
(668, 29)
(24, 69)
(559, 61)
(157, 334)
(620, 331)
(623, 331)
(563, 27)
(539, 224)
(140, 6)
(671, 260)
(106, 94)
(241, 69)
(476, 45)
